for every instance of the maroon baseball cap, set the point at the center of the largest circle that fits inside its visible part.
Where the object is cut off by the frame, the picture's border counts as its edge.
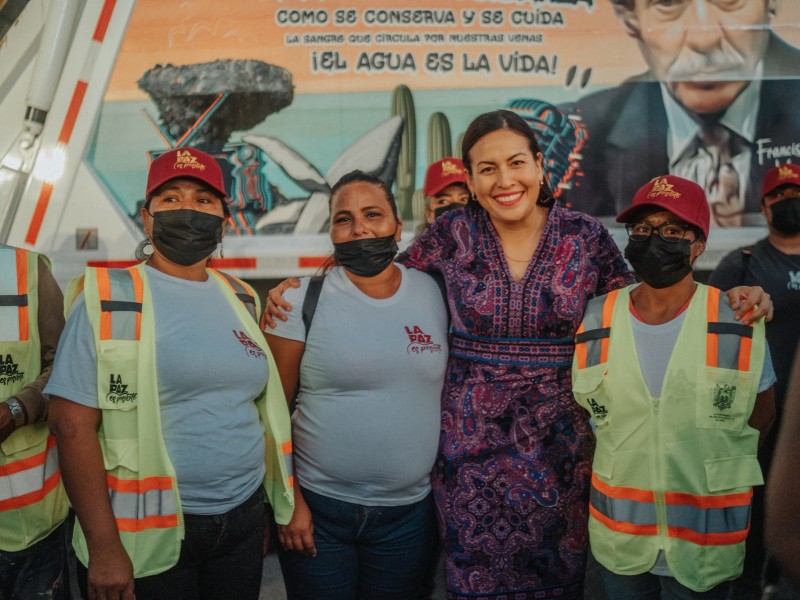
(185, 162)
(681, 197)
(778, 176)
(443, 173)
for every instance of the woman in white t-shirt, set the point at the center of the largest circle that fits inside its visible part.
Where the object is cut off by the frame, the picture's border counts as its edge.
(368, 376)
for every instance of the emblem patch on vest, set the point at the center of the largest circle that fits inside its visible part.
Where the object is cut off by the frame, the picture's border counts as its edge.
(599, 411)
(723, 396)
(118, 392)
(9, 370)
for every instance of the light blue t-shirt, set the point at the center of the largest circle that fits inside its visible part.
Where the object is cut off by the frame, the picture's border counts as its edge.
(367, 423)
(208, 379)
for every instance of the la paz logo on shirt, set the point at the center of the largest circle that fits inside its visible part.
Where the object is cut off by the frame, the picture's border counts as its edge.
(420, 342)
(251, 348)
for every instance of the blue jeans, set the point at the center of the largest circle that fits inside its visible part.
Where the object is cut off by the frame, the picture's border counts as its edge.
(37, 572)
(647, 586)
(221, 558)
(363, 552)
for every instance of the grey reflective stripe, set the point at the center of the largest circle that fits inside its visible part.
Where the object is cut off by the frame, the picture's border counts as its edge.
(14, 300)
(9, 310)
(242, 293)
(729, 334)
(593, 330)
(123, 303)
(620, 509)
(709, 520)
(288, 462)
(18, 484)
(152, 503)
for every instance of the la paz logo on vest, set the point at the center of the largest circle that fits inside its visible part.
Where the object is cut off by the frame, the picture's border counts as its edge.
(599, 411)
(118, 392)
(9, 370)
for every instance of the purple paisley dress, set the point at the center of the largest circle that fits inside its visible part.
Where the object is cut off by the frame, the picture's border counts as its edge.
(511, 479)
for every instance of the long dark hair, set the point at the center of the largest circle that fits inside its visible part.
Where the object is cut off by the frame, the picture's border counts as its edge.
(504, 119)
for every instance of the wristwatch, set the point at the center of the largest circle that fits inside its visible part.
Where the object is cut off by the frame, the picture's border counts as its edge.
(17, 412)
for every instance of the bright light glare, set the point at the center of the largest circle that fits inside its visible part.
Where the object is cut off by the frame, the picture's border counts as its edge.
(50, 164)
(11, 162)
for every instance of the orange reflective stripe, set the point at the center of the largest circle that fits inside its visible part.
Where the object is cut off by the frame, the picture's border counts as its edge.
(708, 539)
(608, 312)
(38, 473)
(626, 493)
(291, 481)
(622, 526)
(22, 290)
(286, 447)
(138, 486)
(728, 500)
(104, 290)
(138, 294)
(28, 463)
(745, 346)
(712, 316)
(154, 522)
(580, 350)
(32, 497)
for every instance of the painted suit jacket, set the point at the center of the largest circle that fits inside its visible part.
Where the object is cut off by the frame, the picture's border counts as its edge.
(627, 135)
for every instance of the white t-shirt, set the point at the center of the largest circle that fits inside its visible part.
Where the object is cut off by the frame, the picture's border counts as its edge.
(366, 427)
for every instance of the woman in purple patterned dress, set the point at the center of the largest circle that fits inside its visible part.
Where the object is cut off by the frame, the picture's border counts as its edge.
(511, 478)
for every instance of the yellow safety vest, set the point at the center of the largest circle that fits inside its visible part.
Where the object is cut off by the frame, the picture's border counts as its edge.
(673, 473)
(32, 499)
(140, 477)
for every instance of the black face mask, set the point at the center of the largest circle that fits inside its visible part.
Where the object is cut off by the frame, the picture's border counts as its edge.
(186, 236)
(438, 212)
(786, 216)
(660, 264)
(366, 257)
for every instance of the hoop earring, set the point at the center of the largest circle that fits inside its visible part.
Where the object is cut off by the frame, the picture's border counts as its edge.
(546, 202)
(140, 253)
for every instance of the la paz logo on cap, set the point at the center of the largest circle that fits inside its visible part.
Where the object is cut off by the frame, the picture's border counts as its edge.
(785, 172)
(662, 187)
(451, 168)
(184, 159)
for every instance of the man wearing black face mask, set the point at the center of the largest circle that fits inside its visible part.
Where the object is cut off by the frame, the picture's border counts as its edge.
(773, 262)
(681, 394)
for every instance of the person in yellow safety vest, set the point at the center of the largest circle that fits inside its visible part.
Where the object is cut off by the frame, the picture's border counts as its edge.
(33, 504)
(170, 417)
(681, 393)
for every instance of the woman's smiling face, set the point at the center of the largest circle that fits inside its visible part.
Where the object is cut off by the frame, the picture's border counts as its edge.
(505, 177)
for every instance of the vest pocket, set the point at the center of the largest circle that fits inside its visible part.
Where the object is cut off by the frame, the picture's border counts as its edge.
(120, 454)
(725, 398)
(25, 438)
(589, 386)
(725, 474)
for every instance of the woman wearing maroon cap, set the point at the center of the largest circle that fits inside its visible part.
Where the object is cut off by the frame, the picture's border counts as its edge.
(682, 396)
(170, 418)
(511, 480)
